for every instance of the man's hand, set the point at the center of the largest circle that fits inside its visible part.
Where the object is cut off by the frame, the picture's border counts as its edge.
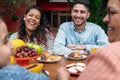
(62, 74)
(76, 47)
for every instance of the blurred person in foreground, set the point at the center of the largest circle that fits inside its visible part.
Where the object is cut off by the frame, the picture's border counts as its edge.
(105, 63)
(79, 35)
(13, 72)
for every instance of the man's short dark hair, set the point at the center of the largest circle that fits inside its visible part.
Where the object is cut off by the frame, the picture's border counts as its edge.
(84, 2)
(105, 3)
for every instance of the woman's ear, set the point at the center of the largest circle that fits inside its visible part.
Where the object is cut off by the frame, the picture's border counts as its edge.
(24, 17)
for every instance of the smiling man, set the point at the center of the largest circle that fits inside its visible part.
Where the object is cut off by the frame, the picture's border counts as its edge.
(79, 35)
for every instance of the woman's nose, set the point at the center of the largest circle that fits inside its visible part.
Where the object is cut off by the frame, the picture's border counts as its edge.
(33, 18)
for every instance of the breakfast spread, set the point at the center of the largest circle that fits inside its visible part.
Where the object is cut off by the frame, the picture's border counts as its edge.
(46, 56)
(76, 68)
(75, 55)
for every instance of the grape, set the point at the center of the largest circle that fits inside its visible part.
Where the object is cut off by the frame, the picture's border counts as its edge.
(17, 55)
(21, 56)
(25, 54)
(18, 50)
(25, 51)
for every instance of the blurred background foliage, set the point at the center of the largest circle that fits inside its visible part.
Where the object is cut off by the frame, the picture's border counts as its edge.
(8, 7)
(97, 11)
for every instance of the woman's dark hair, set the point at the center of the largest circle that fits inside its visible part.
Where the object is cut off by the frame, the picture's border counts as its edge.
(39, 33)
(84, 2)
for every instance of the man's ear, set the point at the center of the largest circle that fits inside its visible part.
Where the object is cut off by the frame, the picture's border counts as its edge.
(88, 15)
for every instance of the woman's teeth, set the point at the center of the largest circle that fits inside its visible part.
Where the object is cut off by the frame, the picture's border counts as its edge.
(31, 23)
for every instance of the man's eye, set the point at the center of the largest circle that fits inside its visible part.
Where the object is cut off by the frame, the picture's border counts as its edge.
(82, 12)
(75, 11)
(112, 12)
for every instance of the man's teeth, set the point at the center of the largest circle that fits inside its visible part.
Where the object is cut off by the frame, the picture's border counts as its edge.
(110, 29)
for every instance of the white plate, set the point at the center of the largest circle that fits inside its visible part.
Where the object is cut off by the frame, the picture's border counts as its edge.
(74, 68)
(43, 61)
(76, 58)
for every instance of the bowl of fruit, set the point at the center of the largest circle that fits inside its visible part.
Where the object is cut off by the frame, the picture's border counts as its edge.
(25, 53)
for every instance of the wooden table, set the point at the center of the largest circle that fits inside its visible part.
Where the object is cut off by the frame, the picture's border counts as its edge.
(52, 67)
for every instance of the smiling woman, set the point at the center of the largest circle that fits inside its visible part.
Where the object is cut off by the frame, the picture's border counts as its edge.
(35, 28)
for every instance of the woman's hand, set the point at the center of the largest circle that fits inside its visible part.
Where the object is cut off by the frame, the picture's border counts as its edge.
(62, 74)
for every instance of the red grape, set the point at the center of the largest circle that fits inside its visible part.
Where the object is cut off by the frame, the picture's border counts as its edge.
(25, 51)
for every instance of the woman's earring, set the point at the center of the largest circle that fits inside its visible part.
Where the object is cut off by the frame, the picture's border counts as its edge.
(24, 19)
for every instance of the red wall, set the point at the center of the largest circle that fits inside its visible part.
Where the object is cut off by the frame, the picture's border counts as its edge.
(12, 24)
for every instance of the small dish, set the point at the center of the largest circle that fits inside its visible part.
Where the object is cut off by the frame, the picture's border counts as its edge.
(76, 68)
(45, 61)
(76, 58)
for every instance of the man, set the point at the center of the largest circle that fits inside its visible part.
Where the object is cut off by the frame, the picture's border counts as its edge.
(104, 64)
(79, 35)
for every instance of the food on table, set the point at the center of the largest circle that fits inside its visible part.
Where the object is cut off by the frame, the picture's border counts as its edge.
(25, 51)
(30, 44)
(80, 64)
(79, 68)
(35, 67)
(36, 47)
(49, 57)
(75, 55)
(70, 65)
(73, 70)
(53, 58)
(17, 43)
(76, 67)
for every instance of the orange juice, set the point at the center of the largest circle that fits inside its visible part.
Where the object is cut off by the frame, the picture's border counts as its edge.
(93, 50)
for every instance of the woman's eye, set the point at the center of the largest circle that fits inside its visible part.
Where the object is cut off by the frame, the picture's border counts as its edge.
(30, 15)
(37, 18)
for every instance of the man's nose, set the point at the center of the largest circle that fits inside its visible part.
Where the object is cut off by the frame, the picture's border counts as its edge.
(79, 14)
(106, 19)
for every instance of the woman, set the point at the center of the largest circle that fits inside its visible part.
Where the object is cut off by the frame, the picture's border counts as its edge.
(35, 28)
(13, 72)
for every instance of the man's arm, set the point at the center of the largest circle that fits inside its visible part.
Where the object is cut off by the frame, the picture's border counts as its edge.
(60, 43)
(100, 38)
